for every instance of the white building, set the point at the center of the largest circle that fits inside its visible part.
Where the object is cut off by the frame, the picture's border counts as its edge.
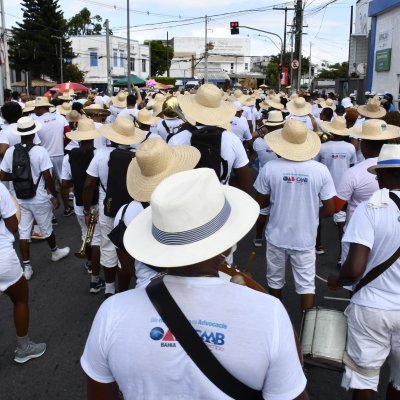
(92, 58)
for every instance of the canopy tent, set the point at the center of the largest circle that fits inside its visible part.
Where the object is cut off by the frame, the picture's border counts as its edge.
(34, 83)
(135, 80)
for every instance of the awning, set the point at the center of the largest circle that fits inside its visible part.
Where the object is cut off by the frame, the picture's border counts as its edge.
(35, 83)
(135, 80)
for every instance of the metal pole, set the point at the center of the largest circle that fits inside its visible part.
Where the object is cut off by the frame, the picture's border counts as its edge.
(167, 55)
(109, 82)
(206, 54)
(291, 59)
(309, 70)
(350, 34)
(299, 39)
(6, 66)
(61, 61)
(129, 47)
(150, 59)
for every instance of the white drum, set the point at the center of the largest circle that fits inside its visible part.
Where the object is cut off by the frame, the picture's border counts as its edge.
(323, 337)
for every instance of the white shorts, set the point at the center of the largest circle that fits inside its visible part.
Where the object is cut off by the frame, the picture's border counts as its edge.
(10, 269)
(57, 162)
(42, 213)
(303, 268)
(108, 252)
(339, 217)
(96, 241)
(373, 335)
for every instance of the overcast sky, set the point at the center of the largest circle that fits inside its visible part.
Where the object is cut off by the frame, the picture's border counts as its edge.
(328, 29)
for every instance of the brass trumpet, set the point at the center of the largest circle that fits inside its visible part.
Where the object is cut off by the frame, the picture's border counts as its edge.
(87, 240)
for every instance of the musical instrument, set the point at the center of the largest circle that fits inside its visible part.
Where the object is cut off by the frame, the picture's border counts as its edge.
(324, 136)
(172, 109)
(87, 240)
(323, 337)
(18, 208)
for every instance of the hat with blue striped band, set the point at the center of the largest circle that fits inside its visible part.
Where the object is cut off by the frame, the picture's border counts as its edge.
(191, 218)
(389, 157)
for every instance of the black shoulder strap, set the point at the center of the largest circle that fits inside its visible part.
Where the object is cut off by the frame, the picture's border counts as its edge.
(164, 124)
(124, 211)
(381, 268)
(27, 149)
(194, 346)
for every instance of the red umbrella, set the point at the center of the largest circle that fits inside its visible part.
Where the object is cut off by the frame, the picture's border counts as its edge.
(66, 87)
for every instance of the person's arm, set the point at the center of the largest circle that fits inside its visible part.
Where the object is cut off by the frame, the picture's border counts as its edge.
(339, 204)
(3, 149)
(49, 182)
(243, 178)
(5, 176)
(327, 209)
(302, 396)
(88, 190)
(262, 200)
(101, 391)
(314, 122)
(11, 223)
(138, 96)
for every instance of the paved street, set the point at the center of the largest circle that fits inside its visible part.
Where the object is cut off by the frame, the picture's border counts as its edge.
(62, 311)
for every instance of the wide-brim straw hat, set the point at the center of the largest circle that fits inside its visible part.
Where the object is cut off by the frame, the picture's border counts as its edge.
(328, 104)
(42, 102)
(144, 117)
(29, 106)
(86, 130)
(119, 100)
(207, 107)
(294, 142)
(249, 101)
(64, 108)
(337, 126)
(275, 118)
(155, 160)
(237, 95)
(372, 109)
(375, 129)
(26, 126)
(96, 109)
(274, 102)
(389, 157)
(299, 107)
(191, 218)
(122, 131)
(73, 116)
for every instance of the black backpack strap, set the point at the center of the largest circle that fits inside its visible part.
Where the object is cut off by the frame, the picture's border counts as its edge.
(164, 124)
(28, 148)
(147, 136)
(169, 137)
(124, 211)
(381, 268)
(194, 346)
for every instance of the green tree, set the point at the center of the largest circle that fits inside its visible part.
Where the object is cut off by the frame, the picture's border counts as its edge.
(32, 46)
(333, 71)
(72, 73)
(159, 57)
(83, 23)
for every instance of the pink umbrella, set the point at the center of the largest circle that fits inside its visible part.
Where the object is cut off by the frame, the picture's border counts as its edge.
(66, 87)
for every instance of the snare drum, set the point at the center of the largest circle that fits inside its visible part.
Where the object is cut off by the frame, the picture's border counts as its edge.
(323, 337)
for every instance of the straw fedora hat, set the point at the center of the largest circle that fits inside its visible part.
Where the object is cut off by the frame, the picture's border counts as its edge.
(26, 126)
(42, 102)
(144, 117)
(328, 104)
(299, 107)
(29, 106)
(237, 95)
(375, 129)
(64, 108)
(119, 100)
(86, 130)
(389, 157)
(65, 96)
(294, 142)
(96, 109)
(122, 131)
(275, 118)
(250, 101)
(74, 116)
(337, 126)
(372, 109)
(207, 107)
(154, 161)
(191, 218)
(274, 102)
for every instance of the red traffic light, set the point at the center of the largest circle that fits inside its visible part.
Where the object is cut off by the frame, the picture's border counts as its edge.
(234, 28)
(235, 24)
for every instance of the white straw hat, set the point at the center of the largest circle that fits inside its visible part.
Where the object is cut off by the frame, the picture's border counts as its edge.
(299, 107)
(155, 160)
(249, 101)
(191, 218)
(96, 109)
(144, 117)
(64, 108)
(375, 129)
(275, 118)
(372, 109)
(119, 100)
(294, 142)
(207, 107)
(274, 102)
(74, 116)
(389, 157)
(29, 106)
(122, 131)
(329, 103)
(337, 126)
(86, 130)
(26, 126)
(238, 105)
(42, 102)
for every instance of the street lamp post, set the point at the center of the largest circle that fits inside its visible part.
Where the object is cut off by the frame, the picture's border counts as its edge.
(61, 57)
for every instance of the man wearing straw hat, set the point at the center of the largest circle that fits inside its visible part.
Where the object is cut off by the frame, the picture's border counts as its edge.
(374, 312)
(294, 185)
(301, 110)
(190, 235)
(122, 134)
(239, 125)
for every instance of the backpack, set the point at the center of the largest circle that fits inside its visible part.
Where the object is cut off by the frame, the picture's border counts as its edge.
(208, 141)
(22, 173)
(117, 193)
(79, 160)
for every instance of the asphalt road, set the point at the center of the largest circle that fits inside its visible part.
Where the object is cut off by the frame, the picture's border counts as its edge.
(62, 311)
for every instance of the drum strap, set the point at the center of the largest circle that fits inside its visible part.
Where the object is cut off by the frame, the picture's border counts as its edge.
(381, 268)
(369, 373)
(194, 346)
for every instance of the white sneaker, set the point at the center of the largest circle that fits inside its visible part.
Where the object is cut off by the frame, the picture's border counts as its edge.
(59, 254)
(28, 272)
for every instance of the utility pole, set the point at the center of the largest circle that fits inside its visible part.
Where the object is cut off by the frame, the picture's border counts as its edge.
(298, 42)
(109, 82)
(285, 33)
(128, 23)
(167, 55)
(61, 57)
(193, 67)
(309, 70)
(350, 34)
(206, 54)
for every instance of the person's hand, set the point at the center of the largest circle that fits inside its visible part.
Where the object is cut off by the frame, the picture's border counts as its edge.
(55, 202)
(333, 282)
(87, 219)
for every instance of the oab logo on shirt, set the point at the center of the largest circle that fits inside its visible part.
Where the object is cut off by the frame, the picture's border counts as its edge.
(295, 178)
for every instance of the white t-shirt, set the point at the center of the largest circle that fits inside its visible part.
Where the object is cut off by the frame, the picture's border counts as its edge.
(379, 230)
(232, 149)
(306, 120)
(251, 114)
(357, 185)
(173, 126)
(240, 128)
(130, 344)
(295, 189)
(337, 156)
(40, 162)
(130, 113)
(264, 153)
(7, 137)
(7, 210)
(52, 133)
(143, 272)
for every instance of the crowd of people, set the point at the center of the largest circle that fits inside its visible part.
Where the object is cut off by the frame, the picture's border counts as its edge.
(163, 187)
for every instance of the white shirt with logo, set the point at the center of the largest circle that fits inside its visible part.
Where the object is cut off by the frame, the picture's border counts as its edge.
(7, 210)
(295, 190)
(131, 345)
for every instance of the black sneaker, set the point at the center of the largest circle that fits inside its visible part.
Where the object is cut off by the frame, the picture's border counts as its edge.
(88, 268)
(69, 211)
(54, 221)
(96, 287)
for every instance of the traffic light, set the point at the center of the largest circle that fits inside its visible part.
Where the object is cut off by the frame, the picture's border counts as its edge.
(235, 28)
